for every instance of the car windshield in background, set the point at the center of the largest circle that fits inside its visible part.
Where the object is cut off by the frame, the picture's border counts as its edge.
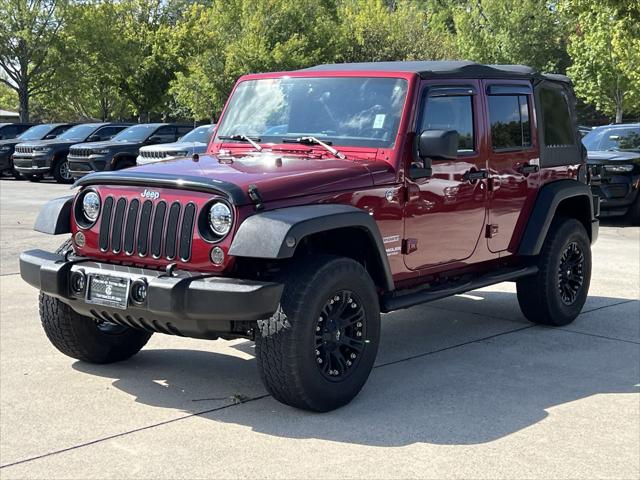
(352, 111)
(36, 133)
(78, 133)
(200, 134)
(616, 138)
(137, 133)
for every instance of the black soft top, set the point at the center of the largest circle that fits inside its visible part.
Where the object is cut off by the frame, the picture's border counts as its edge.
(444, 68)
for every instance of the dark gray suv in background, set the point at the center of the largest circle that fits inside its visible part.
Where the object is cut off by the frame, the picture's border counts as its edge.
(35, 159)
(38, 132)
(121, 151)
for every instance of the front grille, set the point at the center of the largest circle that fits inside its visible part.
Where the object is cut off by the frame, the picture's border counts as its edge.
(80, 152)
(126, 226)
(155, 154)
(616, 190)
(20, 149)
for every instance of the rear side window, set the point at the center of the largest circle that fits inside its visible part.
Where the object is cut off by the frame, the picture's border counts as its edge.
(183, 131)
(510, 122)
(108, 132)
(451, 113)
(558, 129)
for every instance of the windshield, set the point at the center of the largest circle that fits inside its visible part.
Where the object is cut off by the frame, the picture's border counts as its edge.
(137, 133)
(616, 138)
(338, 110)
(200, 134)
(79, 132)
(36, 133)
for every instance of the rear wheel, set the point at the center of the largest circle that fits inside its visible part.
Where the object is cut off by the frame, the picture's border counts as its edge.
(633, 215)
(61, 172)
(317, 350)
(556, 294)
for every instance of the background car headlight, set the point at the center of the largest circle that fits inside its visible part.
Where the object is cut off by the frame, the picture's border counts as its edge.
(42, 149)
(91, 206)
(618, 168)
(220, 218)
(101, 151)
(5, 149)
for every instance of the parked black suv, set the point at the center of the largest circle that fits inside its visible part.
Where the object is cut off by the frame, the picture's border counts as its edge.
(121, 151)
(35, 159)
(614, 158)
(12, 130)
(38, 132)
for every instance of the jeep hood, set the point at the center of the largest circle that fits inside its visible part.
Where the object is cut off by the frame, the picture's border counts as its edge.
(276, 176)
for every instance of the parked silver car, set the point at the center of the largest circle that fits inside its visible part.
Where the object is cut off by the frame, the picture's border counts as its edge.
(195, 141)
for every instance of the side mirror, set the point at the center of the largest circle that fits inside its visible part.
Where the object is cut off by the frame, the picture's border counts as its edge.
(154, 139)
(50, 136)
(430, 145)
(94, 138)
(438, 144)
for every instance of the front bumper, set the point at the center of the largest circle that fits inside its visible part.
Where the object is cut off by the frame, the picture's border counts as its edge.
(5, 162)
(617, 192)
(186, 304)
(32, 163)
(81, 166)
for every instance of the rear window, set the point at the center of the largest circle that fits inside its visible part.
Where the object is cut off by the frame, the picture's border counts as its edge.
(558, 128)
(510, 124)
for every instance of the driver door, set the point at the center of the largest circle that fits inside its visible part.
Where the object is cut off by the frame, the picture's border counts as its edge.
(445, 212)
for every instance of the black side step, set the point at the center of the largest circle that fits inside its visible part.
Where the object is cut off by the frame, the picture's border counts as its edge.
(398, 300)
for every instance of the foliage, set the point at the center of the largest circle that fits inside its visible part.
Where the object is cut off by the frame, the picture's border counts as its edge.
(8, 98)
(29, 33)
(605, 48)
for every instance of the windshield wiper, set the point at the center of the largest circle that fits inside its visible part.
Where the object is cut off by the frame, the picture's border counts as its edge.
(315, 141)
(243, 138)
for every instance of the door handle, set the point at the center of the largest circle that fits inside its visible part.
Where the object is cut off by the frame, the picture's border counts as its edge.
(474, 175)
(526, 169)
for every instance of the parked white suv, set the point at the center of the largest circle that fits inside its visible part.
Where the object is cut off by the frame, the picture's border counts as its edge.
(195, 141)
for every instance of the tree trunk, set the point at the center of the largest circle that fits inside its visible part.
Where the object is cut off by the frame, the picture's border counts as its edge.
(619, 111)
(23, 97)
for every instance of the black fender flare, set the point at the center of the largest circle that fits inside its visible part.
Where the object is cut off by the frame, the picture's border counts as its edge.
(546, 205)
(275, 234)
(55, 217)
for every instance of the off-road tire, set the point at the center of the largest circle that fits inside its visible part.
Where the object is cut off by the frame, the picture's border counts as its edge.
(285, 343)
(540, 296)
(56, 170)
(81, 337)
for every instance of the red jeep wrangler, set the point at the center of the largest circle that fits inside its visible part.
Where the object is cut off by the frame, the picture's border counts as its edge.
(329, 195)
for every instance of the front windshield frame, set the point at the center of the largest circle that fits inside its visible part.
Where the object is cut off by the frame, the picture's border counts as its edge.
(87, 130)
(391, 119)
(141, 127)
(37, 132)
(598, 139)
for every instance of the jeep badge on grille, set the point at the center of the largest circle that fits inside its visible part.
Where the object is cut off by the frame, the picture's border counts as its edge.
(150, 194)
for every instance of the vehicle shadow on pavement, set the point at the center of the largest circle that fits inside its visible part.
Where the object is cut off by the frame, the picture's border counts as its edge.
(446, 374)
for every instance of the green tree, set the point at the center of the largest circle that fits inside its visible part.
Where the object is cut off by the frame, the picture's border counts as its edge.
(528, 32)
(604, 46)
(29, 32)
(8, 98)
(377, 30)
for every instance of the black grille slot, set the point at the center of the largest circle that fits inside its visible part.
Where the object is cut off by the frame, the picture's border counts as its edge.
(130, 230)
(186, 231)
(172, 227)
(105, 224)
(143, 228)
(156, 232)
(118, 219)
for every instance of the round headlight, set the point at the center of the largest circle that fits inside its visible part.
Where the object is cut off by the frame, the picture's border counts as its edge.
(220, 218)
(91, 206)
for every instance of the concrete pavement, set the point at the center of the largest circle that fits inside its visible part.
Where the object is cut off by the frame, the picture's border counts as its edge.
(463, 387)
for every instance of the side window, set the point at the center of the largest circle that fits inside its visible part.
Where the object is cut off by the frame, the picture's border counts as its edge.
(182, 131)
(510, 124)
(450, 113)
(168, 133)
(58, 130)
(106, 133)
(9, 131)
(558, 128)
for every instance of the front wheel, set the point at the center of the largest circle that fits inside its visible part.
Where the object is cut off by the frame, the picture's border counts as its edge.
(633, 215)
(61, 172)
(317, 350)
(556, 294)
